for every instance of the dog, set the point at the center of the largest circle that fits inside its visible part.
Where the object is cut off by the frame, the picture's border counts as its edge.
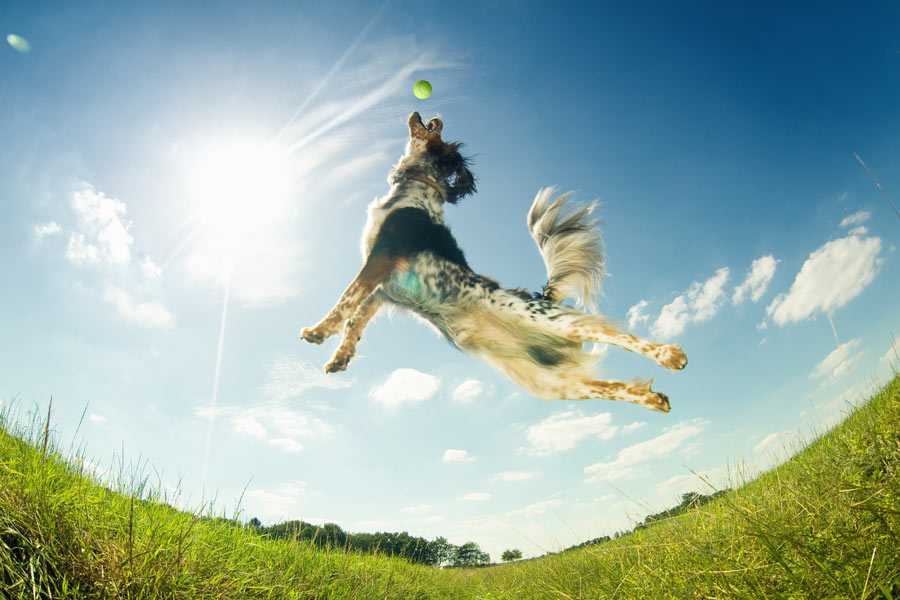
(412, 260)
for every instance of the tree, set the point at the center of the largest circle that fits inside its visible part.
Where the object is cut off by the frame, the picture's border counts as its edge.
(255, 524)
(470, 555)
(440, 552)
(509, 555)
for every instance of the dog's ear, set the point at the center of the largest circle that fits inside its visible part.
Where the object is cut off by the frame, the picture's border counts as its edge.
(464, 181)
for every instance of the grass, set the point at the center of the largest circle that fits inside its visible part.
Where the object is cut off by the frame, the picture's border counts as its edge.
(826, 524)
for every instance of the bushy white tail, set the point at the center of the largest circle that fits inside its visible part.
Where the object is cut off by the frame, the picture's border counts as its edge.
(571, 245)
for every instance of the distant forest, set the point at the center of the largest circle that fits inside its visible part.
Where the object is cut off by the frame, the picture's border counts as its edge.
(437, 552)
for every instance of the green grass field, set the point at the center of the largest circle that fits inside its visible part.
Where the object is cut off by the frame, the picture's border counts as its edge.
(826, 524)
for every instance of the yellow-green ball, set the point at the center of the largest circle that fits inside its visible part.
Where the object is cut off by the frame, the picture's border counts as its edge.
(422, 89)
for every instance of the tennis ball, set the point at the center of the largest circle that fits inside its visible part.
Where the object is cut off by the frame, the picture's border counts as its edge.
(21, 44)
(422, 89)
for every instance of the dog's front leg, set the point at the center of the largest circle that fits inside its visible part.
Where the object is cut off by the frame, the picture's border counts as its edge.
(377, 268)
(353, 333)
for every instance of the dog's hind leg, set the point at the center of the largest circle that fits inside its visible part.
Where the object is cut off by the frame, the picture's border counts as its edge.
(594, 328)
(377, 268)
(353, 332)
(636, 392)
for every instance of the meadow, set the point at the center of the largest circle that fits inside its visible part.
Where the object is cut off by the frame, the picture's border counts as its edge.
(825, 524)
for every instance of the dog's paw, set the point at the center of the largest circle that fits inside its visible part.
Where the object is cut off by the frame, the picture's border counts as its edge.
(658, 402)
(671, 357)
(312, 335)
(338, 363)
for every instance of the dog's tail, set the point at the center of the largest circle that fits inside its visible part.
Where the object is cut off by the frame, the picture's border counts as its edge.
(571, 245)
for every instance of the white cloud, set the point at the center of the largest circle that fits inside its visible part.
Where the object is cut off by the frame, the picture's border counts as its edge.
(510, 476)
(636, 314)
(761, 272)
(287, 444)
(475, 497)
(634, 426)
(831, 277)
(278, 503)
(95, 418)
(563, 431)
(624, 466)
(699, 303)
(538, 508)
(289, 376)
(856, 218)
(148, 314)
(42, 231)
(80, 253)
(106, 232)
(467, 391)
(405, 385)
(452, 455)
(417, 510)
(838, 362)
(672, 320)
(860, 231)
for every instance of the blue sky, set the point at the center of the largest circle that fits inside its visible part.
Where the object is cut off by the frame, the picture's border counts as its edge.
(161, 165)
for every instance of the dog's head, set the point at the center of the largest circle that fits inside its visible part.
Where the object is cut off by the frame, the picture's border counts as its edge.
(426, 150)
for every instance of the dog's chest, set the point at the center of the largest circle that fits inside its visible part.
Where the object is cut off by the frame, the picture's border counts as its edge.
(381, 208)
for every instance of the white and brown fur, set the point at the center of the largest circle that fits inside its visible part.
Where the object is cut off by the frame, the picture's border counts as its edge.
(413, 261)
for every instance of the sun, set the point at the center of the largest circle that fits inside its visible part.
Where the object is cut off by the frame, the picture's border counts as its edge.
(239, 190)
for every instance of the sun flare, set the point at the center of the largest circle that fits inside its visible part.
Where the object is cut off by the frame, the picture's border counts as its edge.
(239, 191)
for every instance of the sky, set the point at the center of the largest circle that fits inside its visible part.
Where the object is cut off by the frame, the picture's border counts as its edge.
(183, 188)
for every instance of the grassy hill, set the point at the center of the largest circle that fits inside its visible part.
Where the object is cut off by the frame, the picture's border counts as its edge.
(824, 525)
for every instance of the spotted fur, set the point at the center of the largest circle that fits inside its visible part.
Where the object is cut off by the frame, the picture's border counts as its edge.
(411, 260)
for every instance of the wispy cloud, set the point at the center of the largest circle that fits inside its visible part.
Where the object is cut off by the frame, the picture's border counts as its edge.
(838, 362)
(475, 497)
(892, 356)
(288, 376)
(150, 269)
(95, 418)
(564, 430)
(467, 391)
(405, 386)
(856, 218)
(248, 425)
(148, 314)
(761, 272)
(626, 464)
(417, 510)
(833, 275)
(699, 303)
(453, 455)
(277, 416)
(691, 482)
(538, 508)
(634, 426)
(287, 444)
(279, 502)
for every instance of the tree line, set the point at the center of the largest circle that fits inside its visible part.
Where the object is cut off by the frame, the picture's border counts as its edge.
(437, 552)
